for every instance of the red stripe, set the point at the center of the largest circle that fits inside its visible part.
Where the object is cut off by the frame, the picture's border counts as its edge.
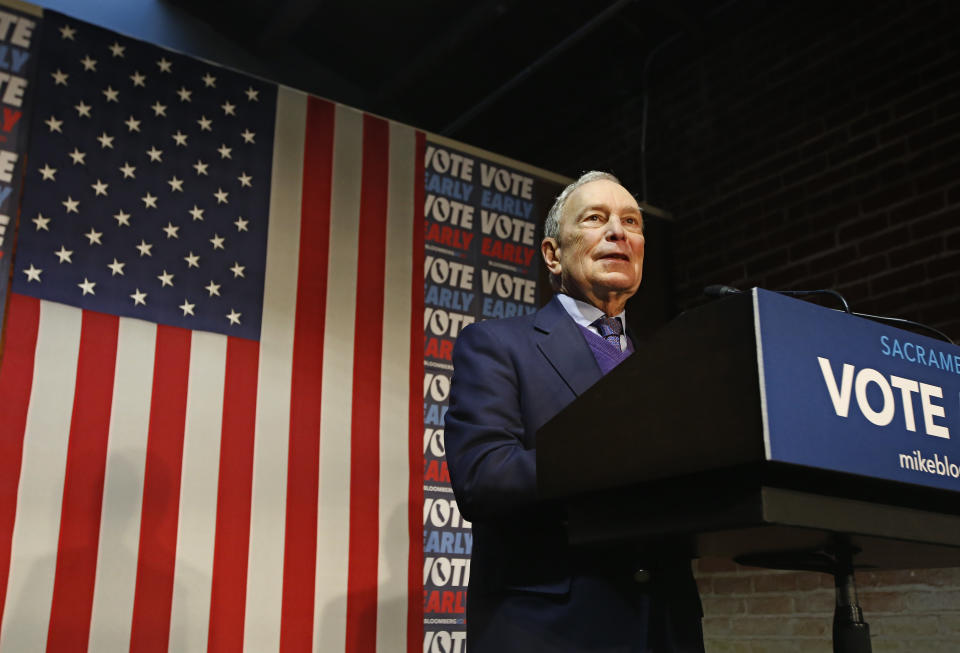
(303, 467)
(415, 427)
(150, 629)
(69, 627)
(361, 633)
(228, 590)
(16, 381)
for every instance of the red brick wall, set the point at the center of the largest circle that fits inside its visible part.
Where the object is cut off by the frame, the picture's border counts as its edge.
(811, 145)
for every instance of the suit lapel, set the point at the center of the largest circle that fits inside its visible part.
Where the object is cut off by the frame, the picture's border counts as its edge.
(560, 341)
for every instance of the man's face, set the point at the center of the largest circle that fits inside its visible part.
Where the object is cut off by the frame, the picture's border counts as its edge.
(599, 250)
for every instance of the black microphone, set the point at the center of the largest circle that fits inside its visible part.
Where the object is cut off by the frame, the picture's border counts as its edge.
(827, 291)
(719, 290)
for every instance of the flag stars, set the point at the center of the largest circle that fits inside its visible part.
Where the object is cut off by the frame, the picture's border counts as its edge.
(64, 254)
(111, 94)
(89, 63)
(217, 241)
(193, 261)
(54, 124)
(33, 274)
(155, 154)
(201, 167)
(138, 79)
(122, 218)
(116, 267)
(94, 237)
(67, 32)
(149, 201)
(179, 138)
(245, 180)
(196, 212)
(128, 171)
(41, 222)
(176, 185)
(159, 109)
(213, 288)
(105, 141)
(184, 94)
(59, 77)
(133, 125)
(225, 151)
(48, 173)
(117, 50)
(205, 123)
(139, 298)
(247, 136)
(221, 196)
(144, 248)
(237, 270)
(209, 81)
(241, 224)
(165, 66)
(78, 157)
(253, 95)
(99, 188)
(234, 317)
(87, 286)
(171, 230)
(166, 279)
(71, 205)
(83, 109)
(186, 307)
(229, 109)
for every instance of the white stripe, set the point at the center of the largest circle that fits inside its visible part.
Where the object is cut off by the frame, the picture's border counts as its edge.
(123, 487)
(40, 496)
(395, 396)
(268, 508)
(196, 526)
(333, 525)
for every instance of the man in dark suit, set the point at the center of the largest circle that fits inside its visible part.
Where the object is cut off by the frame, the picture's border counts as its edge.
(529, 590)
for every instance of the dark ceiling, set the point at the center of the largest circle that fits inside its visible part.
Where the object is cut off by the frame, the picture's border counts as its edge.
(512, 76)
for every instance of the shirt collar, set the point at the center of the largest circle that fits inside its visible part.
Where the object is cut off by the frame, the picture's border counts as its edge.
(586, 314)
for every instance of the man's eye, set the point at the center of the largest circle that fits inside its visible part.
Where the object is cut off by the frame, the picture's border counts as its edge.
(593, 217)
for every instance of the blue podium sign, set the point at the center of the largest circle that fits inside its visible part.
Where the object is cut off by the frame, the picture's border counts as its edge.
(847, 394)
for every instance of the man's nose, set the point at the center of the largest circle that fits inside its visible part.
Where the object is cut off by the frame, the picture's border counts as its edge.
(615, 229)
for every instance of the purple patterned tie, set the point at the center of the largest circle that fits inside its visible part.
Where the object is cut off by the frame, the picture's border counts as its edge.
(610, 328)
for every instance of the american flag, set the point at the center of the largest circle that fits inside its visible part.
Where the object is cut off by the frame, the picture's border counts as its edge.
(208, 439)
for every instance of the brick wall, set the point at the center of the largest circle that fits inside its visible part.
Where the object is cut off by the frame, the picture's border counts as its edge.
(810, 145)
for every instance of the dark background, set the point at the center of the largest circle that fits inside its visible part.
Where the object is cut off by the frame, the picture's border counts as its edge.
(795, 143)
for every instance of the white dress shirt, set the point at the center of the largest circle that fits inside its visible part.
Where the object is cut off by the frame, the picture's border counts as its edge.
(586, 314)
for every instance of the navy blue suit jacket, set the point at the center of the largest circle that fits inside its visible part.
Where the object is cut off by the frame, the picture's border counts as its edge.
(528, 590)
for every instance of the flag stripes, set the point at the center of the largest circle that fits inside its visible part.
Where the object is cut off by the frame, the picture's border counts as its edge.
(123, 487)
(83, 482)
(16, 376)
(189, 491)
(299, 569)
(234, 490)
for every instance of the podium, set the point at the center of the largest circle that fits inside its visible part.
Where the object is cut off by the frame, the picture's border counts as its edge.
(772, 431)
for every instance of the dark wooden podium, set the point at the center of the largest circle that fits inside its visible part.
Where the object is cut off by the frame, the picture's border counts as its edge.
(676, 449)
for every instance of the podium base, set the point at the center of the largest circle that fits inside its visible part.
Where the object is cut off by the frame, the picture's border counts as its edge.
(851, 634)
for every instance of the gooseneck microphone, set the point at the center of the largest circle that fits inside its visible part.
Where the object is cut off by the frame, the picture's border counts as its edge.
(720, 290)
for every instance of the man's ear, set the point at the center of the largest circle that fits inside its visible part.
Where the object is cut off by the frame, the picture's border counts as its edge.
(550, 250)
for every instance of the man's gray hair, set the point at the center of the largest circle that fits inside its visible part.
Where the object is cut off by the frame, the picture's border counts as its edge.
(551, 228)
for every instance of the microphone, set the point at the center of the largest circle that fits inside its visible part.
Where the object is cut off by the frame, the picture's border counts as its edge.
(719, 290)
(804, 293)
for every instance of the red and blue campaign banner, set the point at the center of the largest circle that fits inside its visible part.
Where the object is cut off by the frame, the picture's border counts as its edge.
(852, 395)
(18, 38)
(482, 227)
